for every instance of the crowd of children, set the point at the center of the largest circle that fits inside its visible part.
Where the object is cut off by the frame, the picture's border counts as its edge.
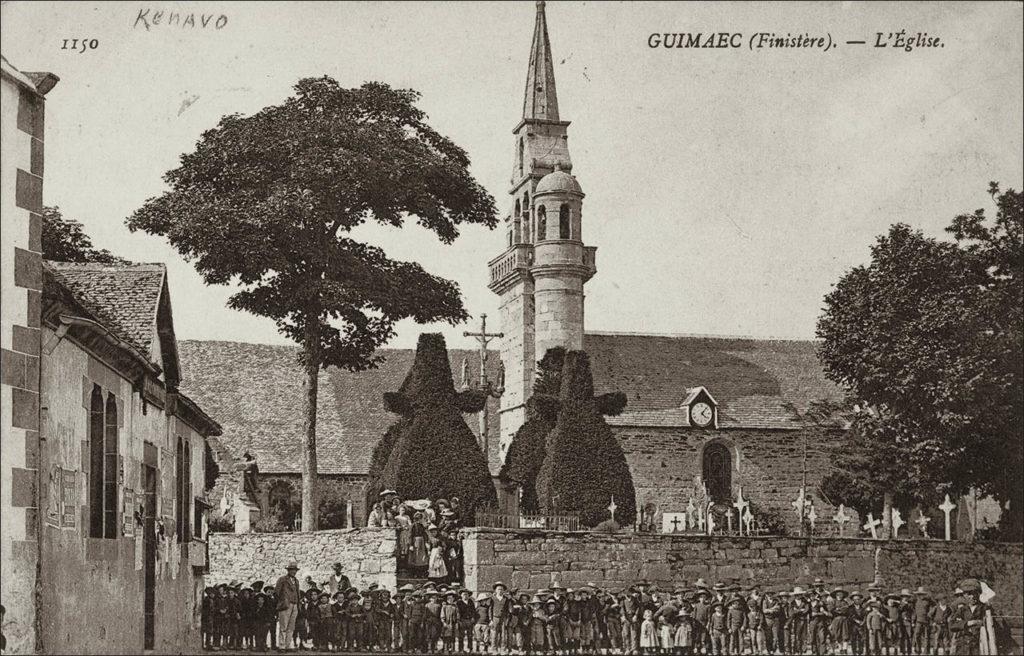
(642, 619)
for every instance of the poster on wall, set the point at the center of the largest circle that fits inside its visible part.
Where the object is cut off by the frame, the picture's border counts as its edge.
(53, 497)
(128, 512)
(69, 498)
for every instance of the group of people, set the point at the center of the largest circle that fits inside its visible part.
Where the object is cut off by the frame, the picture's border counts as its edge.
(642, 619)
(428, 534)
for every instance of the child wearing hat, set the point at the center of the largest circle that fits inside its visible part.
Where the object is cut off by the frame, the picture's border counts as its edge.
(648, 633)
(875, 622)
(482, 628)
(922, 623)
(467, 618)
(449, 621)
(205, 617)
(553, 625)
(535, 626)
(939, 620)
(683, 639)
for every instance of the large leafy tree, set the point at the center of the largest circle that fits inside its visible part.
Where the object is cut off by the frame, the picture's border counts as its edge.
(64, 240)
(430, 452)
(928, 339)
(269, 201)
(584, 466)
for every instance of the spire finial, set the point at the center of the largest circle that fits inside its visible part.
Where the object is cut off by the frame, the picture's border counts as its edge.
(540, 100)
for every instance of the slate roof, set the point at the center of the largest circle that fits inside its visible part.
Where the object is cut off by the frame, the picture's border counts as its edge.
(751, 379)
(255, 392)
(126, 296)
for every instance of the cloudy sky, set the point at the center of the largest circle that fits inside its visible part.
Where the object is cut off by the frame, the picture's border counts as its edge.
(727, 190)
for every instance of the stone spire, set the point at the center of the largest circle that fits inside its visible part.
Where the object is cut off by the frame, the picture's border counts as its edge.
(540, 101)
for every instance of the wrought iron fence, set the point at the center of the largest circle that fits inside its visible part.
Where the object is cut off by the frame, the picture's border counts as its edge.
(494, 519)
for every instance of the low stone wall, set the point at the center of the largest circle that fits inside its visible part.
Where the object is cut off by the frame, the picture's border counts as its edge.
(367, 554)
(529, 560)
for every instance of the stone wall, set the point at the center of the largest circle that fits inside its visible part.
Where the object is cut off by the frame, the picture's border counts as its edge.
(367, 554)
(529, 560)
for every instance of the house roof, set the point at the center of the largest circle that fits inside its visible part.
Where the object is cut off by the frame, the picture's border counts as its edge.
(752, 380)
(256, 393)
(126, 295)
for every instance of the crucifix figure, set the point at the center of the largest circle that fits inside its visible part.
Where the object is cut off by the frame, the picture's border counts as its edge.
(612, 507)
(748, 519)
(484, 338)
(872, 525)
(690, 510)
(897, 522)
(841, 518)
(741, 505)
(812, 516)
(922, 522)
(675, 524)
(711, 519)
(947, 507)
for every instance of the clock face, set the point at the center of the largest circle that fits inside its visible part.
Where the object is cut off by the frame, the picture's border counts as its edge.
(701, 414)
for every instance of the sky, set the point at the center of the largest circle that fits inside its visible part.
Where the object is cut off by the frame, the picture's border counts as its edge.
(726, 190)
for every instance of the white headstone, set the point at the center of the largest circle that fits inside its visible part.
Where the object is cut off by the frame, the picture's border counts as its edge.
(741, 505)
(922, 522)
(872, 526)
(748, 519)
(841, 518)
(673, 522)
(947, 507)
(897, 522)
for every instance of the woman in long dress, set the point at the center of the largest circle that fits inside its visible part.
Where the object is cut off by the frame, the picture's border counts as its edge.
(418, 555)
(404, 534)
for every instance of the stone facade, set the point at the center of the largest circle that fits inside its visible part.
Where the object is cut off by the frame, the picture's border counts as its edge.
(367, 554)
(21, 272)
(666, 464)
(530, 560)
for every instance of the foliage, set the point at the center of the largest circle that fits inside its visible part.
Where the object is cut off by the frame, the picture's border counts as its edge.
(435, 454)
(526, 452)
(584, 466)
(222, 523)
(379, 458)
(928, 338)
(608, 526)
(65, 241)
(269, 524)
(269, 201)
(769, 519)
(332, 513)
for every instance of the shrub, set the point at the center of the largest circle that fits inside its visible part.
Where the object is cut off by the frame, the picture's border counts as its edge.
(379, 460)
(269, 524)
(222, 523)
(332, 513)
(435, 454)
(584, 465)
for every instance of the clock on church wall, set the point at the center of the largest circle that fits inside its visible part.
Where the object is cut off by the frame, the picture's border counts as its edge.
(702, 410)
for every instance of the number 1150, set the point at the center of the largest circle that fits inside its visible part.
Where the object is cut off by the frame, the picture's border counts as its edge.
(81, 45)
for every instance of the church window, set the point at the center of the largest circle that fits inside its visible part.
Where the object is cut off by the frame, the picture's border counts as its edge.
(510, 239)
(717, 471)
(519, 210)
(564, 225)
(542, 223)
(519, 157)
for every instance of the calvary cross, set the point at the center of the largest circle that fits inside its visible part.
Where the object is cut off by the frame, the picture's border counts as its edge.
(484, 338)
(947, 507)
(871, 525)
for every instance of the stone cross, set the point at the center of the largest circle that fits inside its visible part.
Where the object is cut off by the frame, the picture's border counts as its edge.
(841, 518)
(897, 522)
(947, 507)
(740, 504)
(798, 503)
(812, 516)
(748, 519)
(922, 522)
(612, 507)
(728, 518)
(872, 525)
(675, 524)
(711, 519)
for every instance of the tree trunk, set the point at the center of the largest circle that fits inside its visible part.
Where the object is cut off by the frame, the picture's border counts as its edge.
(310, 386)
(887, 516)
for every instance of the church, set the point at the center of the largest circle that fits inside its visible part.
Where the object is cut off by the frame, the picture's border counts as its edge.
(706, 416)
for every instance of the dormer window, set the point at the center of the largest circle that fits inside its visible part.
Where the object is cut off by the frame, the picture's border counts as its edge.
(701, 408)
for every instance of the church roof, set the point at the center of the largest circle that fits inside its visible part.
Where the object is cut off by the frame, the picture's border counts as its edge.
(558, 181)
(255, 392)
(540, 101)
(752, 380)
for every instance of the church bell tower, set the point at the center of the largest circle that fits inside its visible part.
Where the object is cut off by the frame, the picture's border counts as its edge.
(541, 273)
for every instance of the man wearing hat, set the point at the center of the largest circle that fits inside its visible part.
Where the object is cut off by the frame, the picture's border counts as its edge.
(970, 622)
(286, 591)
(501, 610)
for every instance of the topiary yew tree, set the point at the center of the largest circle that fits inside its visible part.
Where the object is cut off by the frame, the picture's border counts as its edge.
(584, 466)
(434, 454)
(269, 202)
(526, 453)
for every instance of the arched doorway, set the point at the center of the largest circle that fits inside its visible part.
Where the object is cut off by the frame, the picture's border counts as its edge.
(717, 471)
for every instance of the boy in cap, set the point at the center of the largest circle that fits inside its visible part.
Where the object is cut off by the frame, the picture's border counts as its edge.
(501, 608)
(553, 626)
(774, 620)
(536, 618)
(736, 622)
(206, 614)
(416, 611)
(922, 622)
(939, 620)
(384, 620)
(449, 621)
(482, 629)
(839, 628)
(701, 620)
(755, 624)
(796, 624)
(467, 618)
(269, 617)
(906, 620)
(875, 622)
(718, 625)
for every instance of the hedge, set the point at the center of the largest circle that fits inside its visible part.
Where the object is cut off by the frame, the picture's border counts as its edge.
(584, 466)
(434, 453)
